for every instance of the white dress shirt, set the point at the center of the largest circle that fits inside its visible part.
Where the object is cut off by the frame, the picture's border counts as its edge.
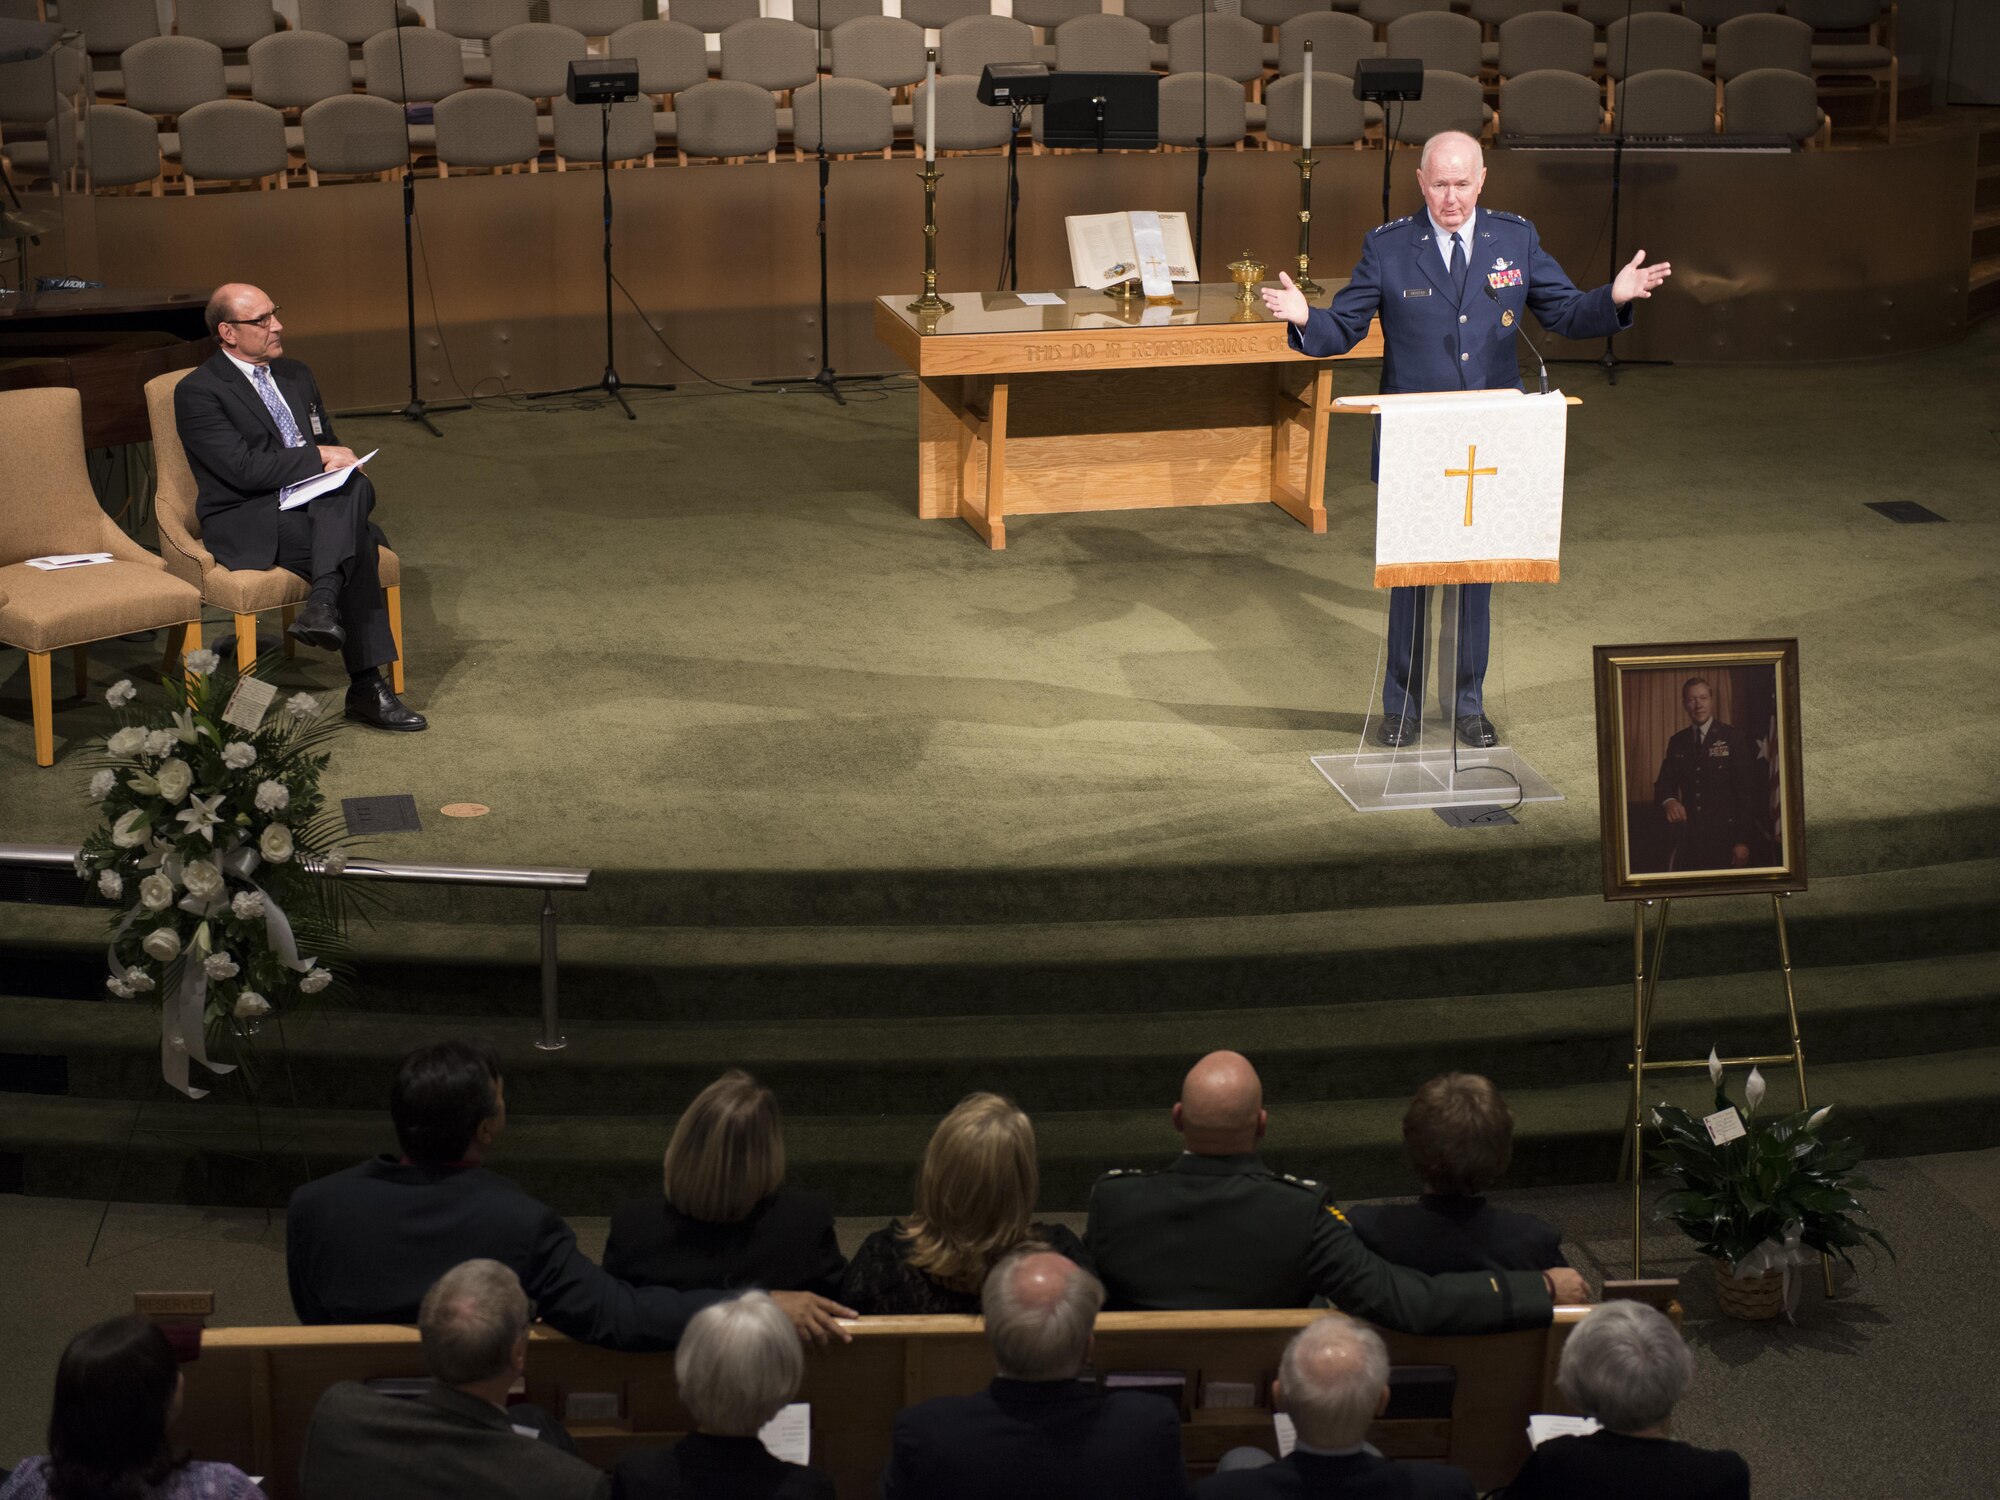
(1443, 236)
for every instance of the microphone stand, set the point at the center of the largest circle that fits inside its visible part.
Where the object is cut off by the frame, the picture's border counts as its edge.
(1521, 333)
(415, 411)
(1201, 144)
(1010, 271)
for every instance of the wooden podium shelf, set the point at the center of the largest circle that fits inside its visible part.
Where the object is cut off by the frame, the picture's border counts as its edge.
(1026, 410)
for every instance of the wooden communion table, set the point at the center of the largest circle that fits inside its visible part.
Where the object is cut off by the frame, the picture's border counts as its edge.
(1029, 410)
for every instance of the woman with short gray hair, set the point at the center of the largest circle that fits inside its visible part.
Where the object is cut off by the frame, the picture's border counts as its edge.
(1626, 1365)
(738, 1365)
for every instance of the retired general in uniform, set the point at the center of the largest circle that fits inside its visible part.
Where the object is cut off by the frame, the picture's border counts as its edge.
(1219, 1229)
(1707, 787)
(1451, 285)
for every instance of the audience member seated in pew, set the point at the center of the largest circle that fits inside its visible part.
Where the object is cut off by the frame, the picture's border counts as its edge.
(1041, 1429)
(365, 1244)
(1219, 1229)
(1460, 1136)
(736, 1369)
(1626, 1365)
(727, 1218)
(976, 1187)
(1332, 1382)
(118, 1393)
(459, 1437)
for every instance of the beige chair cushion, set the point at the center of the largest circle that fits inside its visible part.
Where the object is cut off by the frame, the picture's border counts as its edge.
(48, 611)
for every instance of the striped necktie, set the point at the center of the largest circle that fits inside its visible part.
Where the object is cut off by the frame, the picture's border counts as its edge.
(288, 427)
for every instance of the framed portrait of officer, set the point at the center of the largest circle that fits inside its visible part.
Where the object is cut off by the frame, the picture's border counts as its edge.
(1698, 769)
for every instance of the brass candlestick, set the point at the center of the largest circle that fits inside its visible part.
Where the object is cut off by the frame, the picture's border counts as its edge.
(1303, 281)
(930, 302)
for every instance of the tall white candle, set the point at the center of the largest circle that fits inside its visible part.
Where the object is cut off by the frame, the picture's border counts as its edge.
(1307, 132)
(930, 105)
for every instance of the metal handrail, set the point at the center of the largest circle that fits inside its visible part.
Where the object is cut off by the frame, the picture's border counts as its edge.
(547, 881)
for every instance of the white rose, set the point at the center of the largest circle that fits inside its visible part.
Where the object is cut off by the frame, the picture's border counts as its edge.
(176, 779)
(137, 980)
(238, 756)
(250, 1005)
(220, 966)
(201, 663)
(120, 693)
(111, 885)
(126, 832)
(313, 981)
(302, 706)
(248, 905)
(102, 785)
(127, 742)
(272, 796)
(275, 843)
(202, 880)
(156, 893)
(161, 742)
(162, 943)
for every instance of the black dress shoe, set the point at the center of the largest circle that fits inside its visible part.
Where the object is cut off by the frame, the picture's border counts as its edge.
(317, 625)
(1477, 731)
(1395, 730)
(374, 703)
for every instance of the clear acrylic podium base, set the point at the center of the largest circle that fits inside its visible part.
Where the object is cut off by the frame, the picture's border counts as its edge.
(1387, 780)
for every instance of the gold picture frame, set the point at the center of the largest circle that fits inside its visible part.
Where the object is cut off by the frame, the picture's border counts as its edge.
(1723, 810)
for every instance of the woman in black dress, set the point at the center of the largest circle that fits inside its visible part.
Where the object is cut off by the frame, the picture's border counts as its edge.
(975, 1191)
(726, 1218)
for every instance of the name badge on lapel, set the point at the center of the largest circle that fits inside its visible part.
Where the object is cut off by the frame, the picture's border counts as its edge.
(1419, 291)
(312, 415)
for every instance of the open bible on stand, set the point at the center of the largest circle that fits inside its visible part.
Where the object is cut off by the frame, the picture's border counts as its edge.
(1155, 248)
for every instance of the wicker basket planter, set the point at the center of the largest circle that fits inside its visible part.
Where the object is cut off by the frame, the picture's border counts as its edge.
(1750, 1298)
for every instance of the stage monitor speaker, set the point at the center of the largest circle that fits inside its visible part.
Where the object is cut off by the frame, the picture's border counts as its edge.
(1013, 83)
(1389, 80)
(603, 80)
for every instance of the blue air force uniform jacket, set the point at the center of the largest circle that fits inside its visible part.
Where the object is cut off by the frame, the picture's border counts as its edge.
(1434, 339)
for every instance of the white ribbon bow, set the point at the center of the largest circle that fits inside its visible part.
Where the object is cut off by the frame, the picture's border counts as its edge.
(1779, 1255)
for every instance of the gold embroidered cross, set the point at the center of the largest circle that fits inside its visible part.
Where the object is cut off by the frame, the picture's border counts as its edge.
(1468, 473)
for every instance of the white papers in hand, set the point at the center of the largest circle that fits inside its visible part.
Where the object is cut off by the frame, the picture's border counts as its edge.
(292, 496)
(788, 1435)
(1288, 1435)
(58, 561)
(1542, 1426)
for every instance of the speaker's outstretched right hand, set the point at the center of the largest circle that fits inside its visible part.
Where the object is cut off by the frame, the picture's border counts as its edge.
(1285, 301)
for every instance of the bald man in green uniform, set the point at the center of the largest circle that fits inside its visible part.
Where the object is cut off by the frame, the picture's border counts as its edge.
(1219, 1229)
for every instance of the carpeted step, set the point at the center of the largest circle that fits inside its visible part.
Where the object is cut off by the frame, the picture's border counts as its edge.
(1369, 1048)
(203, 1152)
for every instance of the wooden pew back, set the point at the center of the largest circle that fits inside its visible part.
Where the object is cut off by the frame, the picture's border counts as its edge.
(251, 1392)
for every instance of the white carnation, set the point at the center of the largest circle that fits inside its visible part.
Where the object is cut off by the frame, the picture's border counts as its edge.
(127, 742)
(81, 864)
(219, 966)
(137, 980)
(275, 843)
(118, 987)
(156, 893)
(313, 981)
(161, 742)
(250, 1005)
(176, 780)
(202, 662)
(248, 905)
(202, 880)
(272, 796)
(162, 943)
(111, 885)
(102, 785)
(120, 693)
(302, 706)
(336, 862)
(238, 756)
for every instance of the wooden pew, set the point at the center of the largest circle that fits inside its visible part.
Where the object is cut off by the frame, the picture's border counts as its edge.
(251, 1391)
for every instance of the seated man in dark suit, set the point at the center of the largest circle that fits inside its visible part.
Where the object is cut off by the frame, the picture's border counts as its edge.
(738, 1366)
(1627, 1365)
(1460, 1136)
(1039, 1429)
(460, 1437)
(252, 422)
(361, 1246)
(1333, 1381)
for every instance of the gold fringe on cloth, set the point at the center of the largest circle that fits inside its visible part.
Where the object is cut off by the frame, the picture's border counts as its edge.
(1495, 570)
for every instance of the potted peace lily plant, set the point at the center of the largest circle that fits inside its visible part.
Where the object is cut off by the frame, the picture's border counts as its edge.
(210, 846)
(1762, 1201)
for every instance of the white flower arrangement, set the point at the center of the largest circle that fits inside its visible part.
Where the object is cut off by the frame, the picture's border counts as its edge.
(209, 848)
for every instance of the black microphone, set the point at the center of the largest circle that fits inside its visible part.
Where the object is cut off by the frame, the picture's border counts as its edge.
(1494, 295)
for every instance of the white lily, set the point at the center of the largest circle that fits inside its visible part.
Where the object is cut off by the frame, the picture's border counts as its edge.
(184, 729)
(200, 816)
(1818, 1115)
(1714, 1068)
(1753, 1090)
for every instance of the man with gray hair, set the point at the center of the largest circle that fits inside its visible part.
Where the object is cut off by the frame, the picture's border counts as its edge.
(460, 1437)
(1042, 1428)
(1332, 1382)
(1627, 1365)
(737, 1366)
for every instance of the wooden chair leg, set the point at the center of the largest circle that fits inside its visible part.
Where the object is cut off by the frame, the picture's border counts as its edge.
(80, 655)
(394, 598)
(191, 643)
(246, 643)
(286, 615)
(41, 694)
(170, 650)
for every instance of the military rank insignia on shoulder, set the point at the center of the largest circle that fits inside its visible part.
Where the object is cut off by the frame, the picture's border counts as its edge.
(1338, 1215)
(1501, 213)
(1392, 224)
(1298, 1182)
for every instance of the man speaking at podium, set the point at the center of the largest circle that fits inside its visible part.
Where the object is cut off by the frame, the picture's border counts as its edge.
(252, 422)
(1451, 285)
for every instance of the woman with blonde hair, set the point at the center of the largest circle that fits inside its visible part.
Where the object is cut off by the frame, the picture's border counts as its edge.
(976, 1190)
(726, 1218)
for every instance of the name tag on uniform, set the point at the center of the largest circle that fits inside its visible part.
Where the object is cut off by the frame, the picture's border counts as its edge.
(312, 416)
(1498, 279)
(1421, 291)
